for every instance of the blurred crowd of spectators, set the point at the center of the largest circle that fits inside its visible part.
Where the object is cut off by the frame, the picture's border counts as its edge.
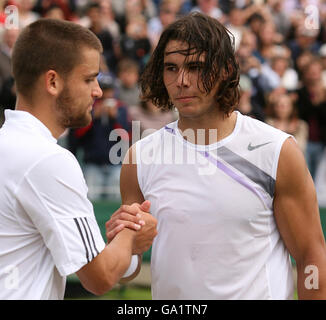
(280, 47)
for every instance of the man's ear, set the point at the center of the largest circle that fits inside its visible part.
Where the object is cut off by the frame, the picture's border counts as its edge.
(53, 82)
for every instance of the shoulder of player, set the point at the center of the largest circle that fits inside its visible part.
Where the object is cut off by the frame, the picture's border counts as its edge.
(264, 126)
(255, 136)
(56, 174)
(56, 161)
(292, 172)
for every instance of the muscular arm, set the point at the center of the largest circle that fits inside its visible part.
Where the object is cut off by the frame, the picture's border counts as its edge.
(130, 194)
(129, 187)
(132, 213)
(297, 216)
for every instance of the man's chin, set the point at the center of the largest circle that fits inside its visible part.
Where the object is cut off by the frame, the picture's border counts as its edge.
(79, 123)
(189, 113)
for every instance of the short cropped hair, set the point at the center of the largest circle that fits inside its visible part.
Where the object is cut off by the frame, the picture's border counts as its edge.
(49, 44)
(203, 34)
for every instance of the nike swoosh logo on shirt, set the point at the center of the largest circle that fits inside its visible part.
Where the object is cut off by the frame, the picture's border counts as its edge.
(250, 147)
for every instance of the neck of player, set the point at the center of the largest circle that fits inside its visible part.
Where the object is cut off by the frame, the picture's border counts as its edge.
(208, 128)
(41, 112)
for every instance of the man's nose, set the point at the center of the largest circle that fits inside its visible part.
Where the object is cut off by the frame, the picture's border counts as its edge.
(183, 78)
(97, 91)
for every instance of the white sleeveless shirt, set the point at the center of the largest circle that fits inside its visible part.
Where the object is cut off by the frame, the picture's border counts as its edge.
(217, 236)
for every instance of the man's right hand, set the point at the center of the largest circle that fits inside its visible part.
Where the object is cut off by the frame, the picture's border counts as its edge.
(145, 236)
(135, 217)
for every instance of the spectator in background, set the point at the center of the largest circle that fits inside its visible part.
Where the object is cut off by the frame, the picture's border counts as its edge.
(312, 108)
(241, 13)
(302, 61)
(280, 18)
(322, 20)
(127, 86)
(7, 88)
(150, 117)
(126, 9)
(251, 66)
(284, 116)
(322, 54)
(67, 6)
(187, 5)
(288, 76)
(168, 11)
(54, 12)
(209, 7)
(247, 105)
(267, 40)
(26, 15)
(146, 8)
(96, 26)
(247, 51)
(101, 162)
(235, 25)
(109, 19)
(304, 40)
(135, 43)
(6, 45)
(255, 22)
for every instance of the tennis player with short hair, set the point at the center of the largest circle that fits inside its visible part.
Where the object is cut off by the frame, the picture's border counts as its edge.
(47, 225)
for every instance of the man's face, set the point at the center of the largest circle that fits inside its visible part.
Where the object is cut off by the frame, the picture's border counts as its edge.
(94, 15)
(183, 83)
(74, 103)
(129, 78)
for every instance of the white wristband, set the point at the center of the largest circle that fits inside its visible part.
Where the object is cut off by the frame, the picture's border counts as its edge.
(132, 267)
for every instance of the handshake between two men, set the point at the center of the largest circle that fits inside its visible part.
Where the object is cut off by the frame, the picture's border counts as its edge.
(137, 220)
(130, 232)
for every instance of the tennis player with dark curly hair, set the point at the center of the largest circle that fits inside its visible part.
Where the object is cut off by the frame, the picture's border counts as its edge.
(232, 195)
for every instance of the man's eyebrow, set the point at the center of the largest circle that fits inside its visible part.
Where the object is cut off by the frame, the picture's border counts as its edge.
(92, 75)
(169, 63)
(195, 62)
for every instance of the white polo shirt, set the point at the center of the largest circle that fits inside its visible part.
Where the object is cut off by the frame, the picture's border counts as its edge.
(47, 225)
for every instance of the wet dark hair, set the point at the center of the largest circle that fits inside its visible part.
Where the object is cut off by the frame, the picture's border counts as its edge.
(204, 35)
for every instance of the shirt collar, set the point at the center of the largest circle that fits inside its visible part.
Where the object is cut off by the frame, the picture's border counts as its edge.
(28, 120)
